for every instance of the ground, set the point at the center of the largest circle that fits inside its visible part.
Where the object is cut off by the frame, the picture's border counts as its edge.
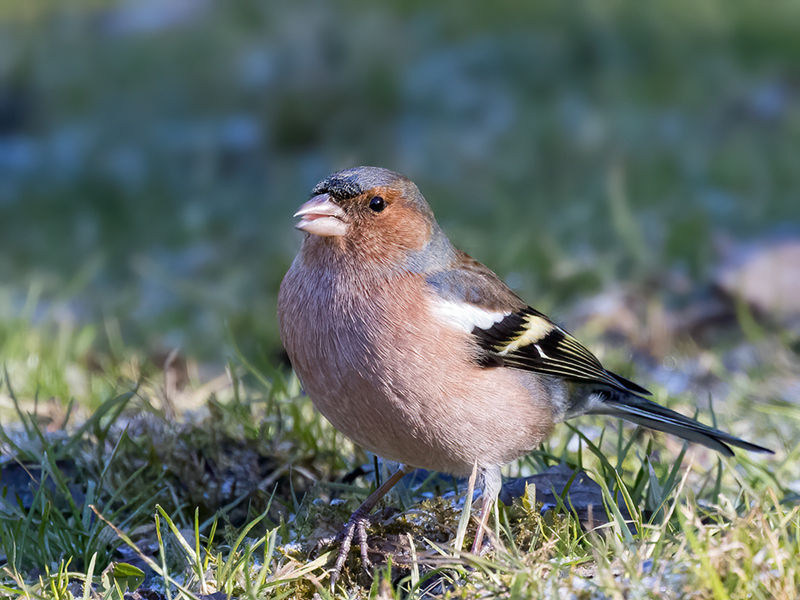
(226, 485)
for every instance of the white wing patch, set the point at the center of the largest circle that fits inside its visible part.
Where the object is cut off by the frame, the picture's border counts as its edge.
(465, 316)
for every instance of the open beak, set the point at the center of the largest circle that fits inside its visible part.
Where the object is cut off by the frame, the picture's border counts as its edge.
(321, 216)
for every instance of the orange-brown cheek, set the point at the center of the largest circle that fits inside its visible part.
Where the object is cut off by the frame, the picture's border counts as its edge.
(408, 229)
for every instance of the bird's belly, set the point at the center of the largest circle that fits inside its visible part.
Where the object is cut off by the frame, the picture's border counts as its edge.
(379, 423)
(440, 423)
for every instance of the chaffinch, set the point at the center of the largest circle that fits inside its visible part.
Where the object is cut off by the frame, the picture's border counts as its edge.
(422, 355)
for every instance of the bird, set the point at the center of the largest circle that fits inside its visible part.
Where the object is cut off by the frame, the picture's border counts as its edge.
(422, 355)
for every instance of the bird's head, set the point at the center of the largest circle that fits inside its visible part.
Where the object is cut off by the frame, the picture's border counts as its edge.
(370, 210)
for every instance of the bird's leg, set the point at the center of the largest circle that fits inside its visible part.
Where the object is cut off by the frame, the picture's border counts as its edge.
(356, 526)
(492, 481)
(486, 510)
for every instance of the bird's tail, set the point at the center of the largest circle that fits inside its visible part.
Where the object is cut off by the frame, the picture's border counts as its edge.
(644, 412)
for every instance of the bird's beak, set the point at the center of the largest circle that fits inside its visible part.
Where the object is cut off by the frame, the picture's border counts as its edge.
(321, 216)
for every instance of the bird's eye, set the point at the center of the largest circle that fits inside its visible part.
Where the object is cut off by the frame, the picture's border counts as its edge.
(377, 203)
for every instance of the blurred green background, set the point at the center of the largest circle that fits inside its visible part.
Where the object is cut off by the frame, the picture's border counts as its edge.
(152, 152)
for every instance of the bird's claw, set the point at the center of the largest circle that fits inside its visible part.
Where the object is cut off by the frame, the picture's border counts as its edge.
(356, 527)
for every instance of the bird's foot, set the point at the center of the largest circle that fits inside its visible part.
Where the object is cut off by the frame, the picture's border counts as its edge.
(356, 527)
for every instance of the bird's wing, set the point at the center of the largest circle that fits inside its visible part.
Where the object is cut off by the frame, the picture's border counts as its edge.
(509, 333)
(527, 339)
(512, 334)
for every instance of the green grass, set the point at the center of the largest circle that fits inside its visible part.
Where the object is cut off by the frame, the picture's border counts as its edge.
(144, 491)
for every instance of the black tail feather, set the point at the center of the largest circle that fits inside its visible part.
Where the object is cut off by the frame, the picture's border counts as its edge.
(652, 415)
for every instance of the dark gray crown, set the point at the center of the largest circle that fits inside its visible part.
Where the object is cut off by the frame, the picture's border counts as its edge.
(354, 182)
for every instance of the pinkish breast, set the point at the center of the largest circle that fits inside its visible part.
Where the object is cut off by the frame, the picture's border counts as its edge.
(397, 382)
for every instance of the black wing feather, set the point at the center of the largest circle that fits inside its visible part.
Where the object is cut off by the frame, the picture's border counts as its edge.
(528, 339)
